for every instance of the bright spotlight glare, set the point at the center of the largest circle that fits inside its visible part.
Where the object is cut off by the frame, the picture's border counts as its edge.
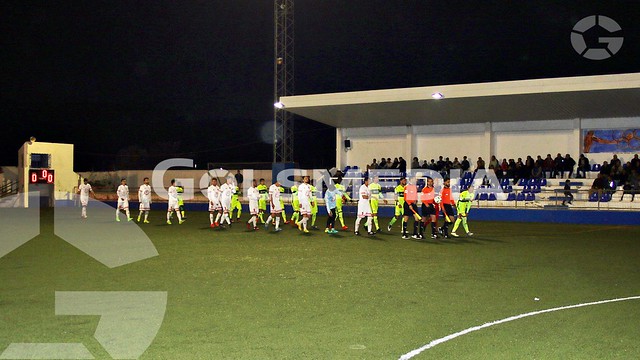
(437, 95)
(279, 105)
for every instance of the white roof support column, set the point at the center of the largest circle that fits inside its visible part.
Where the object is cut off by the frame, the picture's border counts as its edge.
(340, 149)
(410, 146)
(488, 148)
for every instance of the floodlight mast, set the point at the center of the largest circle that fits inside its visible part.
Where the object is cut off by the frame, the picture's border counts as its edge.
(283, 80)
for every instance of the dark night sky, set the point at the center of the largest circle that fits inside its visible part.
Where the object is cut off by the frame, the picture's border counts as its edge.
(132, 83)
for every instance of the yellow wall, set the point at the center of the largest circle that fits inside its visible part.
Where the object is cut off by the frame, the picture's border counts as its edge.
(61, 161)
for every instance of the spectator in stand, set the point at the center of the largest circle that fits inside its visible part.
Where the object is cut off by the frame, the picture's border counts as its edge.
(425, 165)
(511, 170)
(609, 185)
(441, 164)
(536, 172)
(616, 173)
(382, 164)
(521, 170)
(415, 163)
(528, 164)
(373, 165)
(480, 164)
(433, 165)
(499, 173)
(448, 164)
(239, 177)
(395, 163)
(540, 162)
(624, 175)
(402, 166)
(504, 166)
(598, 185)
(583, 166)
(635, 162)
(558, 166)
(389, 164)
(547, 168)
(465, 164)
(634, 180)
(628, 188)
(456, 164)
(568, 196)
(494, 162)
(605, 169)
(615, 160)
(569, 164)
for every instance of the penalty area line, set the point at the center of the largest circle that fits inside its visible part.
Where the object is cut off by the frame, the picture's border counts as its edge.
(433, 343)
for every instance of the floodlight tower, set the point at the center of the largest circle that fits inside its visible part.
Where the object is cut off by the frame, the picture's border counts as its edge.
(283, 80)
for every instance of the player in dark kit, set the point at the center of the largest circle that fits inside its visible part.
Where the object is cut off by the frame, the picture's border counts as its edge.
(447, 207)
(430, 209)
(411, 209)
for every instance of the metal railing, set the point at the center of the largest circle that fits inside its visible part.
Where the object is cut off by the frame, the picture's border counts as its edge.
(8, 188)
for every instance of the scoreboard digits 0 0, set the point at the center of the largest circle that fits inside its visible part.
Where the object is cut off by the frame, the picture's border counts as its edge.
(44, 176)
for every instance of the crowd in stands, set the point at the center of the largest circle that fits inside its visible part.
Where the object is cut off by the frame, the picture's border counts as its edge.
(611, 174)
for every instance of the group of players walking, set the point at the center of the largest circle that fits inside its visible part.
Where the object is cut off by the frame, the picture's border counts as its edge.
(224, 199)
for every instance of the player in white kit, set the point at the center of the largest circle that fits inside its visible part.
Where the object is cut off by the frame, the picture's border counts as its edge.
(364, 208)
(84, 190)
(275, 205)
(253, 196)
(226, 192)
(173, 203)
(304, 198)
(123, 200)
(213, 194)
(144, 196)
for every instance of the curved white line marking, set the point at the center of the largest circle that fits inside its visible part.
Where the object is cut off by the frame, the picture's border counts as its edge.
(415, 352)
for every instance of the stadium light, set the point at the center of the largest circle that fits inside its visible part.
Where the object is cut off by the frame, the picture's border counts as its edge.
(437, 95)
(279, 105)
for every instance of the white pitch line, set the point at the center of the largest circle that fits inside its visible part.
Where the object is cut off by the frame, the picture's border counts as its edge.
(428, 346)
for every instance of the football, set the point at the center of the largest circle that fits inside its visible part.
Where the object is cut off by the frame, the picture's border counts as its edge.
(437, 199)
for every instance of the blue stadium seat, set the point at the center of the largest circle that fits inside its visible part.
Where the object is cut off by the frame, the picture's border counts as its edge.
(520, 197)
(511, 197)
(536, 189)
(484, 196)
(543, 182)
(492, 197)
(593, 197)
(596, 167)
(606, 197)
(526, 189)
(530, 197)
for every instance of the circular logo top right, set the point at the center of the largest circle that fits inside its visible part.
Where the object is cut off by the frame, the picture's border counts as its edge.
(592, 28)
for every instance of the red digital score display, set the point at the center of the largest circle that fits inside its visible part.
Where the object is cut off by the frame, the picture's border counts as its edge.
(44, 176)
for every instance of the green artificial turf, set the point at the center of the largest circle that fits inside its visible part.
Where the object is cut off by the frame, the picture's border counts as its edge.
(238, 294)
